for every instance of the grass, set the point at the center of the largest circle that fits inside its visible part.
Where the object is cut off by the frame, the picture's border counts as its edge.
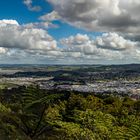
(6, 85)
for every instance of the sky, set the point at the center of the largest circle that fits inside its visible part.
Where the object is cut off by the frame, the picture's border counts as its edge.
(69, 31)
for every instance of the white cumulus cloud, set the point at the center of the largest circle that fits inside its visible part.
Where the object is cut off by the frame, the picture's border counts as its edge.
(100, 15)
(114, 41)
(29, 5)
(109, 46)
(13, 35)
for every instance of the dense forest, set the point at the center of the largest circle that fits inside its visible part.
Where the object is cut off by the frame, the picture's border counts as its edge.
(30, 113)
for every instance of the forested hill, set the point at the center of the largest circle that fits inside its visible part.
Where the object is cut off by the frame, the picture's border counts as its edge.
(34, 114)
(77, 72)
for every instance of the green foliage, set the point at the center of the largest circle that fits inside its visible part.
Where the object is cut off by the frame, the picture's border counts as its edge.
(133, 132)
(34, 114)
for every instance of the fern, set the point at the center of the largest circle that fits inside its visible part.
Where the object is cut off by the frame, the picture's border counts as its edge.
(133, 133)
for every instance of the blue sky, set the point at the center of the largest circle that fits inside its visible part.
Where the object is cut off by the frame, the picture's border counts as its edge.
(69, 32)
(15, 9)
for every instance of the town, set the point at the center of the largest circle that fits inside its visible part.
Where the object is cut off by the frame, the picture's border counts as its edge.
(116, 80)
